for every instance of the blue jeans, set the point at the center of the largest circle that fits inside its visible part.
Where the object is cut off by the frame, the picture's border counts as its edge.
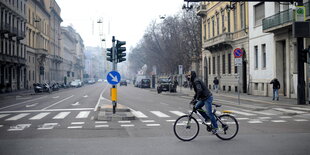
(208, 104)
(275, 94)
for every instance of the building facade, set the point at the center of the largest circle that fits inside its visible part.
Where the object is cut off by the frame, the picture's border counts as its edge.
(224, 28)
(284, 52)
(12, 45)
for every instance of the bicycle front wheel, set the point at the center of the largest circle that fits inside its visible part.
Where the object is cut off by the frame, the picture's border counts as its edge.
(186, 128)
(228, 127)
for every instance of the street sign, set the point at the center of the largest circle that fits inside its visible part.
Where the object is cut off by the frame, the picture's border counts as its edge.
(180, 69)
(238, 53)
(238, 61)
(113, 77)
(300, 13)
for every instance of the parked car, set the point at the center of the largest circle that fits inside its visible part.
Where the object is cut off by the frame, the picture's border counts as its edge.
(91, 81)
(123, 83)
(76, 83)
(165, 84)
(145, 83)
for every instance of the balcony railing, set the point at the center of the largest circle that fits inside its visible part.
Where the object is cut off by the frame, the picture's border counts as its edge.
(284, 18)
(222, 38)
(201, 10)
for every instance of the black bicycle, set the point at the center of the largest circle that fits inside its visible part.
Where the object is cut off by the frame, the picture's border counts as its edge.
(186, 127)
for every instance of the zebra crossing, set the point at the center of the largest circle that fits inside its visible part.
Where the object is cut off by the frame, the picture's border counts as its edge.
(152, 118)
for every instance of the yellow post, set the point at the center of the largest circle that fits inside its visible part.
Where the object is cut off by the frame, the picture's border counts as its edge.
(113, 94)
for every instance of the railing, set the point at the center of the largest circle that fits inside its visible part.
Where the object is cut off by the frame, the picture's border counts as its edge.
(278, 19)
(201, 9)
(225, 37)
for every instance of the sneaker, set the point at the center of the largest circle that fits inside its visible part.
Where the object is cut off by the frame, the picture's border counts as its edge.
(214, 131)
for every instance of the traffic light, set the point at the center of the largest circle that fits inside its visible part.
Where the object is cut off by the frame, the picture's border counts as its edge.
(121, 51)
(109, 54)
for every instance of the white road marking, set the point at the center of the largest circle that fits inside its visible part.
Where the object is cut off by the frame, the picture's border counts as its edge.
(1, 126)
(300, 120)
(47, 126)
(147, 121)
(19, 127)
(17, 117)
(159, 114)
(242, 113)
(139, 114)
(100, 98)
(77, 123)
(259, 112)
(299, 108)
(264, 118)
(152, 124)
(287, 110)
(39, 116)
(124, 121)
(58, 102)
(4, 115)
(179, 113)
(83, 114)
(285, 117)
(127, 125)
(48, 110)
(171, 120)
(74, 127)
(85, 96)
(22, 102)
(55, 97)
(31, 105)
(242, 119)
(101, 126)
(101, 122)
(255, 121)
(76, 103)
(61, 115)
(278, 121)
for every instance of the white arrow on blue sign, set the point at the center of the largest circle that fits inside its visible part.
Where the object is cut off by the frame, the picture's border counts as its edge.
(113, 77)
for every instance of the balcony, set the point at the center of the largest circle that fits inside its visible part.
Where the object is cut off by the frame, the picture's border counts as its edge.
(201, 10)
(57, 59)
(41, 51)
(282, 19)
(21, 35)
(13, 32)
(5, 28)
(218, 41)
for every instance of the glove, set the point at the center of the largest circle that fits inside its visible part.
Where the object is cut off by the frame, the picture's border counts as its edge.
(193, 102)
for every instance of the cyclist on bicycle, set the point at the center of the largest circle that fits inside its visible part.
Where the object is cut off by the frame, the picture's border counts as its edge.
(204, 97)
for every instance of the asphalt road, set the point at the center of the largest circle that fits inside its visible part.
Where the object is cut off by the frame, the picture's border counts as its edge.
(63, 123)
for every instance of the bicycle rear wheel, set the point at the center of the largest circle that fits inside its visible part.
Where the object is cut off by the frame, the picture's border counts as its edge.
(186, 128)
(228, 127)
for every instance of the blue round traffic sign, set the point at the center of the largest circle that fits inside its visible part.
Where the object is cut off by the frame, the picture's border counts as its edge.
(238, 53)
(113, 77)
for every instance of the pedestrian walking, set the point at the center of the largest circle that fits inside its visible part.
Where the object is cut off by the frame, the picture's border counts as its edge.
(216, 84)
(276, 87)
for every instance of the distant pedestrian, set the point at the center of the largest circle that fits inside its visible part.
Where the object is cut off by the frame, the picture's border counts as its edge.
(216, 84)
(276, 87)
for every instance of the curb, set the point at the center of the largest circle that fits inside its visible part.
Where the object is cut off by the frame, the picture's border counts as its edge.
(105, 113)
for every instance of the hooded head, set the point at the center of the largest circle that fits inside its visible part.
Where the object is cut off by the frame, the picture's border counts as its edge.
(192, 76)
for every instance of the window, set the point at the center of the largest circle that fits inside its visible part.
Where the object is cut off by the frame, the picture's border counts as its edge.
(29, 76)
(213, 65)
(235, 20)
(223, 63)
(218, 65)
(33, 75)
(218, 24)
(263, 86)
(223, 22)
(209, 65)
(213, 25)
(264, 55)
(229, 63)
(228, 21)
(255, 86)
(236, 69)
(208, 28)
(256, 57)
(242, 16)
(205, 32)
(259, 11)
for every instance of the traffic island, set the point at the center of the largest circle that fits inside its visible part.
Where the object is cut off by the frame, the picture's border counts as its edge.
(105, 113)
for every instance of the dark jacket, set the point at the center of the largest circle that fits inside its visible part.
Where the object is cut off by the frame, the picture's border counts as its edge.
(276, 84)
(201, 90)
(216, 81)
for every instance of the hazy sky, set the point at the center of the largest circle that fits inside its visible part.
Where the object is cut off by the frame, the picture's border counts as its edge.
(125, 19)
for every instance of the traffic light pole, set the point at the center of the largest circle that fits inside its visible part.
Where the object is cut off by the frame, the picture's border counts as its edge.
(114, 61)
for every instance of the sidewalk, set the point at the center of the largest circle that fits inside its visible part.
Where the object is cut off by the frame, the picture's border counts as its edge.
(244, 97)
(17, 93)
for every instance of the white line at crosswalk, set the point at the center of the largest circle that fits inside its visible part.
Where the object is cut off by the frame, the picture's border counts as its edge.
(83, 114)
(39, 116)
(242, 113)
(290, 111)
(17, 117)
(300, 108)
(139, 114)
(61, 115)
(179, 113)
(159, 114)
(3, 115)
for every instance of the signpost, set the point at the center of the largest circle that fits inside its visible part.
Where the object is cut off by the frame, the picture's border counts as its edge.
(238, 53)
